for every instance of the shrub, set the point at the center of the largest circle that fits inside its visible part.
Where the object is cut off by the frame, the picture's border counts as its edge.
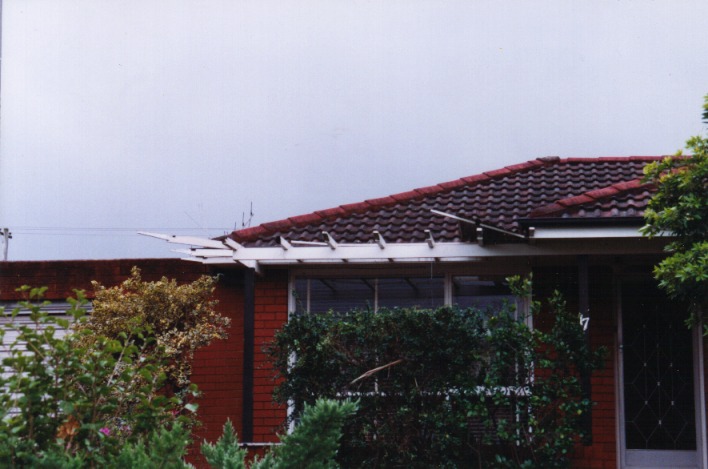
(312, 444)
(443, 388)
(178, 319)
(77, 400)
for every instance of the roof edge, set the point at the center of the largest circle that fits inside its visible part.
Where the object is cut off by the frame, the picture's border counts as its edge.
(252, 233)
(272, 227)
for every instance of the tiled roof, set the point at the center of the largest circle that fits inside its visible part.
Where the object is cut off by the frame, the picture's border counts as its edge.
(621, 200)
(545, 187)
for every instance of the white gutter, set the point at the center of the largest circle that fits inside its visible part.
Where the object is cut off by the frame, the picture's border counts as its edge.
(582, 232)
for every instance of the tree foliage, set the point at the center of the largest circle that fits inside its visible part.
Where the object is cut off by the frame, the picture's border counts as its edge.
(178, 318)
(87, 400)
(99, 395)
(443, 388)
(225, 453)
(313, 443)
(680, 208)
(71, 402)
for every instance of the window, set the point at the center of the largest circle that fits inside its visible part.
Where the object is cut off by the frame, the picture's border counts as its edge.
(480, 292)
(322, 294)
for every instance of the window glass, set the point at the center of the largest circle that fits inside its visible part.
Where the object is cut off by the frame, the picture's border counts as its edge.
(409, 292)
(319, 295)
(480, 292)
(322, 294)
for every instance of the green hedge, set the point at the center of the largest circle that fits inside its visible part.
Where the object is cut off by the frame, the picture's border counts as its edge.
(443, 388)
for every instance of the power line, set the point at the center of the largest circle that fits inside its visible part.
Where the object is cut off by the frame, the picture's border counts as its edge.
(134, 229)
(109, 232)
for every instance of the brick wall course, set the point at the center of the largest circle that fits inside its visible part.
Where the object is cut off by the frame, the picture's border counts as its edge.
(271, 313)
(602, 453)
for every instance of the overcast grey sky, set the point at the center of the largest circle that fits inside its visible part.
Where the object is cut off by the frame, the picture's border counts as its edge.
(174, 116)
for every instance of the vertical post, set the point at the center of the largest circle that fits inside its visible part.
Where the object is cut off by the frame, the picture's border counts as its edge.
(1, 46)
(584, 308)
(5, 234)
(249, 286)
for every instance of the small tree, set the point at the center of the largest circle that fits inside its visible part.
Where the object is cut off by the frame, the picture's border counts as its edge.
(178, 318)
(313, 443)
(680, 208)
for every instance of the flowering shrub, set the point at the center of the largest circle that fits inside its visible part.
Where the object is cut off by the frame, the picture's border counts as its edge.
(108, 389)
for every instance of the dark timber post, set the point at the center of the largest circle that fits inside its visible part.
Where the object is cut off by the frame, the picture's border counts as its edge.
(584, 308)
(248, 341)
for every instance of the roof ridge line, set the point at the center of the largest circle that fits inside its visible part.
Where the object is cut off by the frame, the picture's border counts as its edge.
(594, 195)
(598, 159)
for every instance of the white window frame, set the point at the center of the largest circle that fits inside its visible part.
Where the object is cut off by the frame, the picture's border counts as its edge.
(446, 272)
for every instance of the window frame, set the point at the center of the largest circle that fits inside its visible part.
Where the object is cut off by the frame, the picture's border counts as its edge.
(395, 270)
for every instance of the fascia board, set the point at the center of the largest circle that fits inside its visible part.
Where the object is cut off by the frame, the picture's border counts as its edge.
(579, 232)
(422, 252)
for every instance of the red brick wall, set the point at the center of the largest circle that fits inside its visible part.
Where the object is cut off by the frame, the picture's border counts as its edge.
(271, 313)
(63, 277)
(218, 368)
(602, 453)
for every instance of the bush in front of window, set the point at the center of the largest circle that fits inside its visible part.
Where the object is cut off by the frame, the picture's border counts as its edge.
(448, 387)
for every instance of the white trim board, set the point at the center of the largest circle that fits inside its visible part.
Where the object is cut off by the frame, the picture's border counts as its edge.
(577, 232)
(374, 253)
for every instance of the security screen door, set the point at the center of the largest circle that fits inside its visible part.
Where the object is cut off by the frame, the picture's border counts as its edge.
(659, 418)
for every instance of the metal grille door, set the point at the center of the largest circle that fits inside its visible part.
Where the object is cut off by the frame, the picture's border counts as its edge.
(659, 410)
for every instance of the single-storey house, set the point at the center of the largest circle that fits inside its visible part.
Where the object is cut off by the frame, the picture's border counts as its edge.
(574, 223)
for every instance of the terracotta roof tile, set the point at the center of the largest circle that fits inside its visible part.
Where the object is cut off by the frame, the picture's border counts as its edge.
(305, 219)
(380, 201)
(475, 178)
(405, 195)
(545, 187)
(249, 233)
(625, 199)
(577, 200)
(331, 212)
(429, 190)
(355, 207)
(277, 225)
(452, 184)
(498, 172)
(600, 193)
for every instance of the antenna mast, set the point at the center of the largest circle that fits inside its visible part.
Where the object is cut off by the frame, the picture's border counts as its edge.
(6, 237)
